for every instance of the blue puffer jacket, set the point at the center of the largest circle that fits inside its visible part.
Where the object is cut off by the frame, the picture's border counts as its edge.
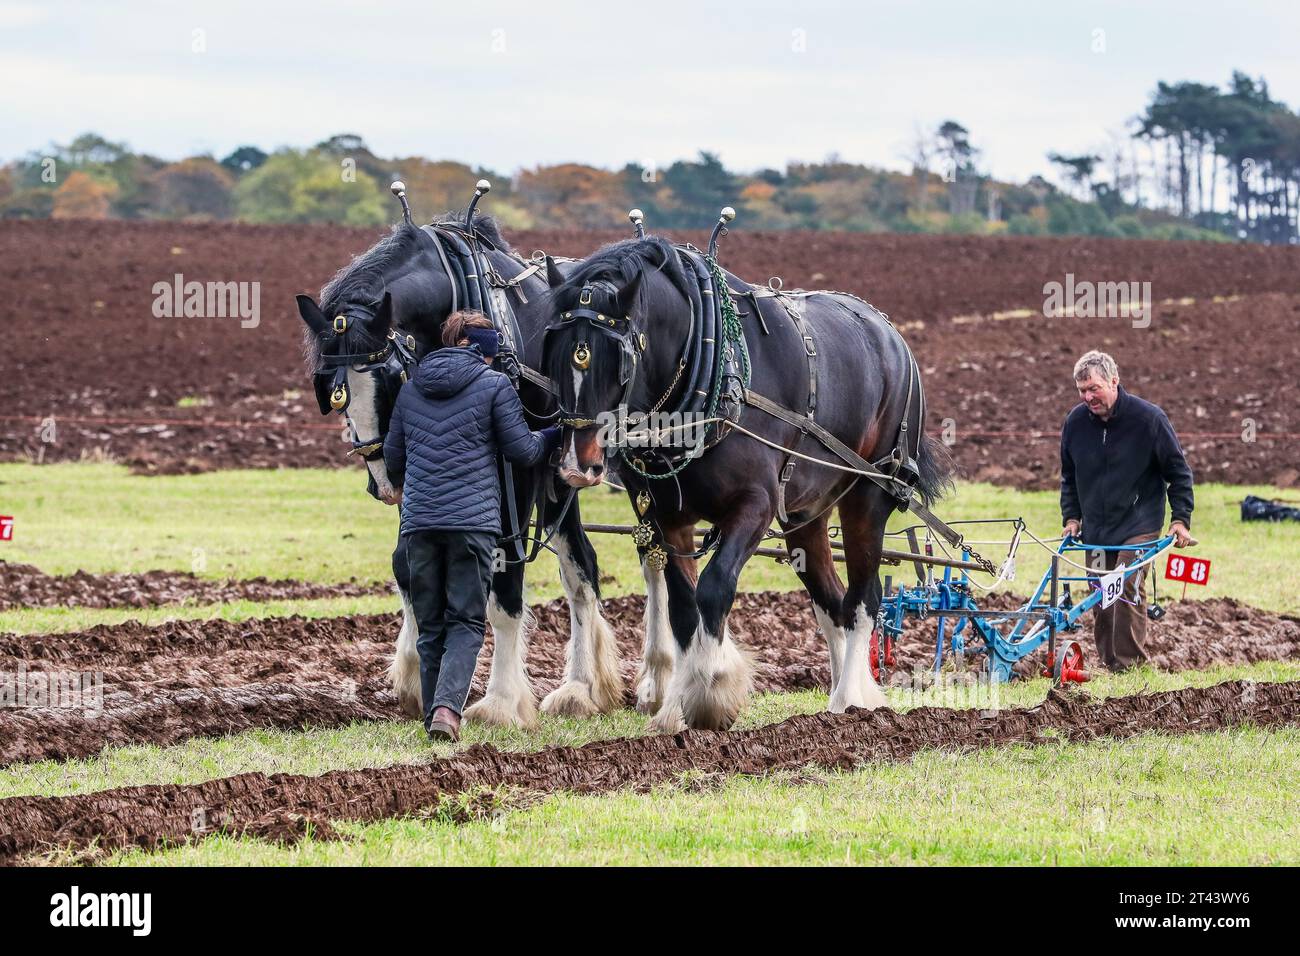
(451, 422)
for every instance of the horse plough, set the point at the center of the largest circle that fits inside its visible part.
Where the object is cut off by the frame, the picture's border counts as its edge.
(944, 590)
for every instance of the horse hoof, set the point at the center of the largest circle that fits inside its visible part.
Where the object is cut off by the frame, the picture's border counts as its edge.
(497, 711)
(712, 717)
(571, 699)
(409, 704)
(865, 700)
(649, 693)
(667, 721)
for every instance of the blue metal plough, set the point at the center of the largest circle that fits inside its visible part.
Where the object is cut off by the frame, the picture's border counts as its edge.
(1010, 636)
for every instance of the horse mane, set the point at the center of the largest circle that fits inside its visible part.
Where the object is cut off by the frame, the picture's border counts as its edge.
(619, 263)
(361, 282)
(485, 225)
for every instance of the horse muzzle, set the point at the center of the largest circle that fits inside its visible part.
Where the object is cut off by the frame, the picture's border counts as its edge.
(582, 478)
(582, 463)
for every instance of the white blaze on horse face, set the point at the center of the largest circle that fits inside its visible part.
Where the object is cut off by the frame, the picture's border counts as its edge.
(569, 469)
(363, 416)
(569, 461)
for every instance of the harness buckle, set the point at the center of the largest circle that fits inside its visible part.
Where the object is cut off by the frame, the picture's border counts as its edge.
(584, 297)
(809, 345)
(340, 324)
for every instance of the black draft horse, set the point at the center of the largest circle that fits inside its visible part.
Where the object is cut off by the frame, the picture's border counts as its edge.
(863, 370)
(401, 285)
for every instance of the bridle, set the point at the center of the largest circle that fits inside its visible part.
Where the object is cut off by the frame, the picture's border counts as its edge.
(631, 345)
(394, 362)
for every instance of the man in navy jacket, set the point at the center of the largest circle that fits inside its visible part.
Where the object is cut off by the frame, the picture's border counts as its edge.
(451, 423)
(1120, 459)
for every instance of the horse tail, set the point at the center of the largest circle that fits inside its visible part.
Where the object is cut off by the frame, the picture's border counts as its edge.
(936, 468)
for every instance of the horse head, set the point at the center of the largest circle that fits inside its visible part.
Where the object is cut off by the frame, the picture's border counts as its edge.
(598, 348)
(359, 365)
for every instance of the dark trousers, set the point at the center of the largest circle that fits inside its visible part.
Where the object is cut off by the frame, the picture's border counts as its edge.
(451, 573)
(1121, 629)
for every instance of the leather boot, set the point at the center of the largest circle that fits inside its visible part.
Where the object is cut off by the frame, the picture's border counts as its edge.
(444, 725)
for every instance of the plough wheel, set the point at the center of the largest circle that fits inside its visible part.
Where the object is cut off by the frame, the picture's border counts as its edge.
(1068, 667)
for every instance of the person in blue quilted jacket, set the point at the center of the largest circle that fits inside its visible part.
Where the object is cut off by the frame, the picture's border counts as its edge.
(450, 424)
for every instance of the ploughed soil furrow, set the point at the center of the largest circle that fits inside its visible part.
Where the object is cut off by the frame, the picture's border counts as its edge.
(22, 585)
(777, 625)
(132, 642)
(157, 815)
(166, 717)
(254, 670)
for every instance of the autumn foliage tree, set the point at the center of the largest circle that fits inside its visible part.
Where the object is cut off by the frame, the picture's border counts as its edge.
(582, 196)
(81, 196)
(197, 188)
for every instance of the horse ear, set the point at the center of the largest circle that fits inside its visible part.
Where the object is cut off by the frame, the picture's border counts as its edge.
(384, 317)
(627, 296)
(311, 314)
(554, 277)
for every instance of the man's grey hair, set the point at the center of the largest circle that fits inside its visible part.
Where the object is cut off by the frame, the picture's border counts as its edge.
(1100, 362)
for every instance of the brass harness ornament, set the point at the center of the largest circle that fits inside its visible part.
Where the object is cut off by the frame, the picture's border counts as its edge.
(643, 535)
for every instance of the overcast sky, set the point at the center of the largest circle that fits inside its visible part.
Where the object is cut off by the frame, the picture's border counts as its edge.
(507, 84)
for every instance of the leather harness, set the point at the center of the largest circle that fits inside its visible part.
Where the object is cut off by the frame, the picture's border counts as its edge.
(897, 473)
(394, 360)
(460, 249)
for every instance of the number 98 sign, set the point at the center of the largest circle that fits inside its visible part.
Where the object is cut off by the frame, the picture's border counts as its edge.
(1187, 570)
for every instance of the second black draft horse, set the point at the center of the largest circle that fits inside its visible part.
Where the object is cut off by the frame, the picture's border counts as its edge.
(867, 387)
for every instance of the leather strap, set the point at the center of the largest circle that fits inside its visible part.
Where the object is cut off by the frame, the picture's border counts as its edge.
(432, 233)
(850, 457)
(810, 349)
(537, 378)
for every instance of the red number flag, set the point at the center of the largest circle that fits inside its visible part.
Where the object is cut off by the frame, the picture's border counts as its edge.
(1188, 570)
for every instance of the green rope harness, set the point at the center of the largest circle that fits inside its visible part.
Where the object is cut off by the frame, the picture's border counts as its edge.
(733, 334)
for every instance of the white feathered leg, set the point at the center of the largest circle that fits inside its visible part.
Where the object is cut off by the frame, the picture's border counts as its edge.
(509, 700)
(592, 684)
(834, 635)
(856, 686)
(710, 684)
(404, 671)
(660, 648)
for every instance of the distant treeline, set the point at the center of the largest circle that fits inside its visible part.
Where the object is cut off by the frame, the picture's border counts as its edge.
(1198, 163)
